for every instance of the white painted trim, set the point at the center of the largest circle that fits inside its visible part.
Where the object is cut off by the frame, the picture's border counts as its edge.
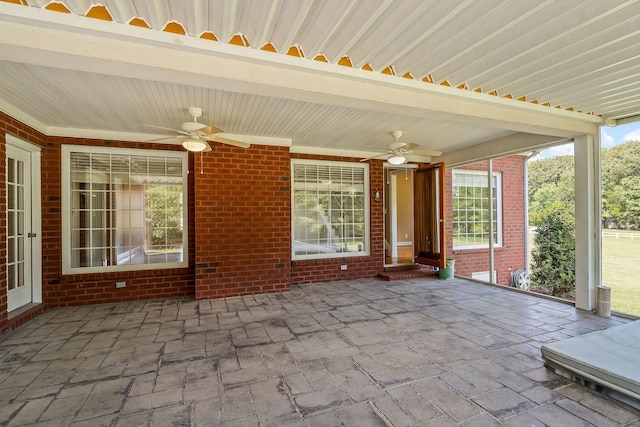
(22, 117)
(66, 210)
(393, 212)
(498, 176)
(588, 235)
(366, 251)
(518, 143)
(146, 137)
(324, 151)
(626, 120)
(405, 243)
(36, 213)
(484, 276)
(258, 140)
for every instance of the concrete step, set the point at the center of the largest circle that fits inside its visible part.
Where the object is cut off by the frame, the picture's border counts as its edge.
(407, 274)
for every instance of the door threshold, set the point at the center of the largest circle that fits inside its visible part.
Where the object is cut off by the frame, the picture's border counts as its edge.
(399, 264)
(21, 310)
(25, 313)
(402, 267)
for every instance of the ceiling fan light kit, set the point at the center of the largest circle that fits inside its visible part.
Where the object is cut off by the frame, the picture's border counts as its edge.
(196, 145)
(396, 160)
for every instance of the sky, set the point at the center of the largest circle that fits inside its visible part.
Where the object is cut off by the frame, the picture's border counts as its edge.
(609, 137)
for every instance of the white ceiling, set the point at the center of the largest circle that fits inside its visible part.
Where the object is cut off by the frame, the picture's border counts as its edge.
(72, 75)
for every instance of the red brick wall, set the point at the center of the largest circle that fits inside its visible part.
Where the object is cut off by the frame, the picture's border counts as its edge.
(240, 244)
(240, 204)
(59, 290)
(77, 289)
(243, 221)
(327, 270)
(511, 254)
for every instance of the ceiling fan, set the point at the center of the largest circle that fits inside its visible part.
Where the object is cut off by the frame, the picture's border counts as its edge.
(397, 151)
(196, 136)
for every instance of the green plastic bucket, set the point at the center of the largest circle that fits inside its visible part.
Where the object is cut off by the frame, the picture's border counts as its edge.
(447, 272)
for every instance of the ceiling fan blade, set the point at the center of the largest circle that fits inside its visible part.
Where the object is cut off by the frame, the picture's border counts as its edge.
(171, 129)
(227, 141)
(427, 153)
(374, 157)
(206, 150)
(210, 130)
(411, 146)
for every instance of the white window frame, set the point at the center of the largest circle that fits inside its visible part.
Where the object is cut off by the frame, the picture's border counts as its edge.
(367, 200)
(498, 196)
(67, 211)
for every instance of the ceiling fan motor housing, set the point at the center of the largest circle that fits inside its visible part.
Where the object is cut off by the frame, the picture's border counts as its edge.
(195, 112)
(192, 126)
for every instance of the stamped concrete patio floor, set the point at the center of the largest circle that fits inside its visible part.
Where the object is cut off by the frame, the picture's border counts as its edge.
(358, 353)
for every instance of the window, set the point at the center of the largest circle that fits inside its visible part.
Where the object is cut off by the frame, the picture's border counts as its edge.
(123, 209)
(471, 209)
(330, 209)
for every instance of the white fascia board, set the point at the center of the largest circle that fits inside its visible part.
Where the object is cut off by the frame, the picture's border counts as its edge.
(258, 140)
(147, 137)
(67, 41)
(322, 151)
(104, 134)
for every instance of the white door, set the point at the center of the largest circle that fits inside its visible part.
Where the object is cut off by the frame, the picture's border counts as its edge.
(21, 234)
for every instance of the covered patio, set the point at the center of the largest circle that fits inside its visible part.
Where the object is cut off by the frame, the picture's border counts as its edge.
(364, 352)
(277, 84)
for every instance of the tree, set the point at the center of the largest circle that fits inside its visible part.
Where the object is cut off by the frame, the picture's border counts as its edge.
(620, 169)
(553, 170)
(629, 190)
(164, 215)
(620, 162)
(553, 257)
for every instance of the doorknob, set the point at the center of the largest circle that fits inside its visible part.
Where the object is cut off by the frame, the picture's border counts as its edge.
(31, 234)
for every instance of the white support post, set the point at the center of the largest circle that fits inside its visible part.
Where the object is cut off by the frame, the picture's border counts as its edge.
(491, 219)
(588, 235)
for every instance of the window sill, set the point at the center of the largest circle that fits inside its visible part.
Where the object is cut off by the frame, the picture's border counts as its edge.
(477, 250)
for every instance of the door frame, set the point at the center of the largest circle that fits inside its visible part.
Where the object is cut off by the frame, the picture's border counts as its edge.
(437, 215)
(34, 153)
(391, 173)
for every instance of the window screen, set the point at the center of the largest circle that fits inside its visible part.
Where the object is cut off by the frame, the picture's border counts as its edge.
(124, 208)
(330, 209)
(470, 200)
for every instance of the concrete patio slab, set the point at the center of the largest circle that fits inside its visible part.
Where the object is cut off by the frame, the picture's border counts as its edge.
(419, 352)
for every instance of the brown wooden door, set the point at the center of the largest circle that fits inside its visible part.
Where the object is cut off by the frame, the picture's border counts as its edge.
(429, 206)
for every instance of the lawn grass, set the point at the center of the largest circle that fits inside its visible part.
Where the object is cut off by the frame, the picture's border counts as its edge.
(621, 270)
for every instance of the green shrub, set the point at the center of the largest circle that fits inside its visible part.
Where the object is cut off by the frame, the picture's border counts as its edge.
(554, 254)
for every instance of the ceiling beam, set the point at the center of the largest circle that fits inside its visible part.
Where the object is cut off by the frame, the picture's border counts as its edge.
(519, 143)
(66, 41)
